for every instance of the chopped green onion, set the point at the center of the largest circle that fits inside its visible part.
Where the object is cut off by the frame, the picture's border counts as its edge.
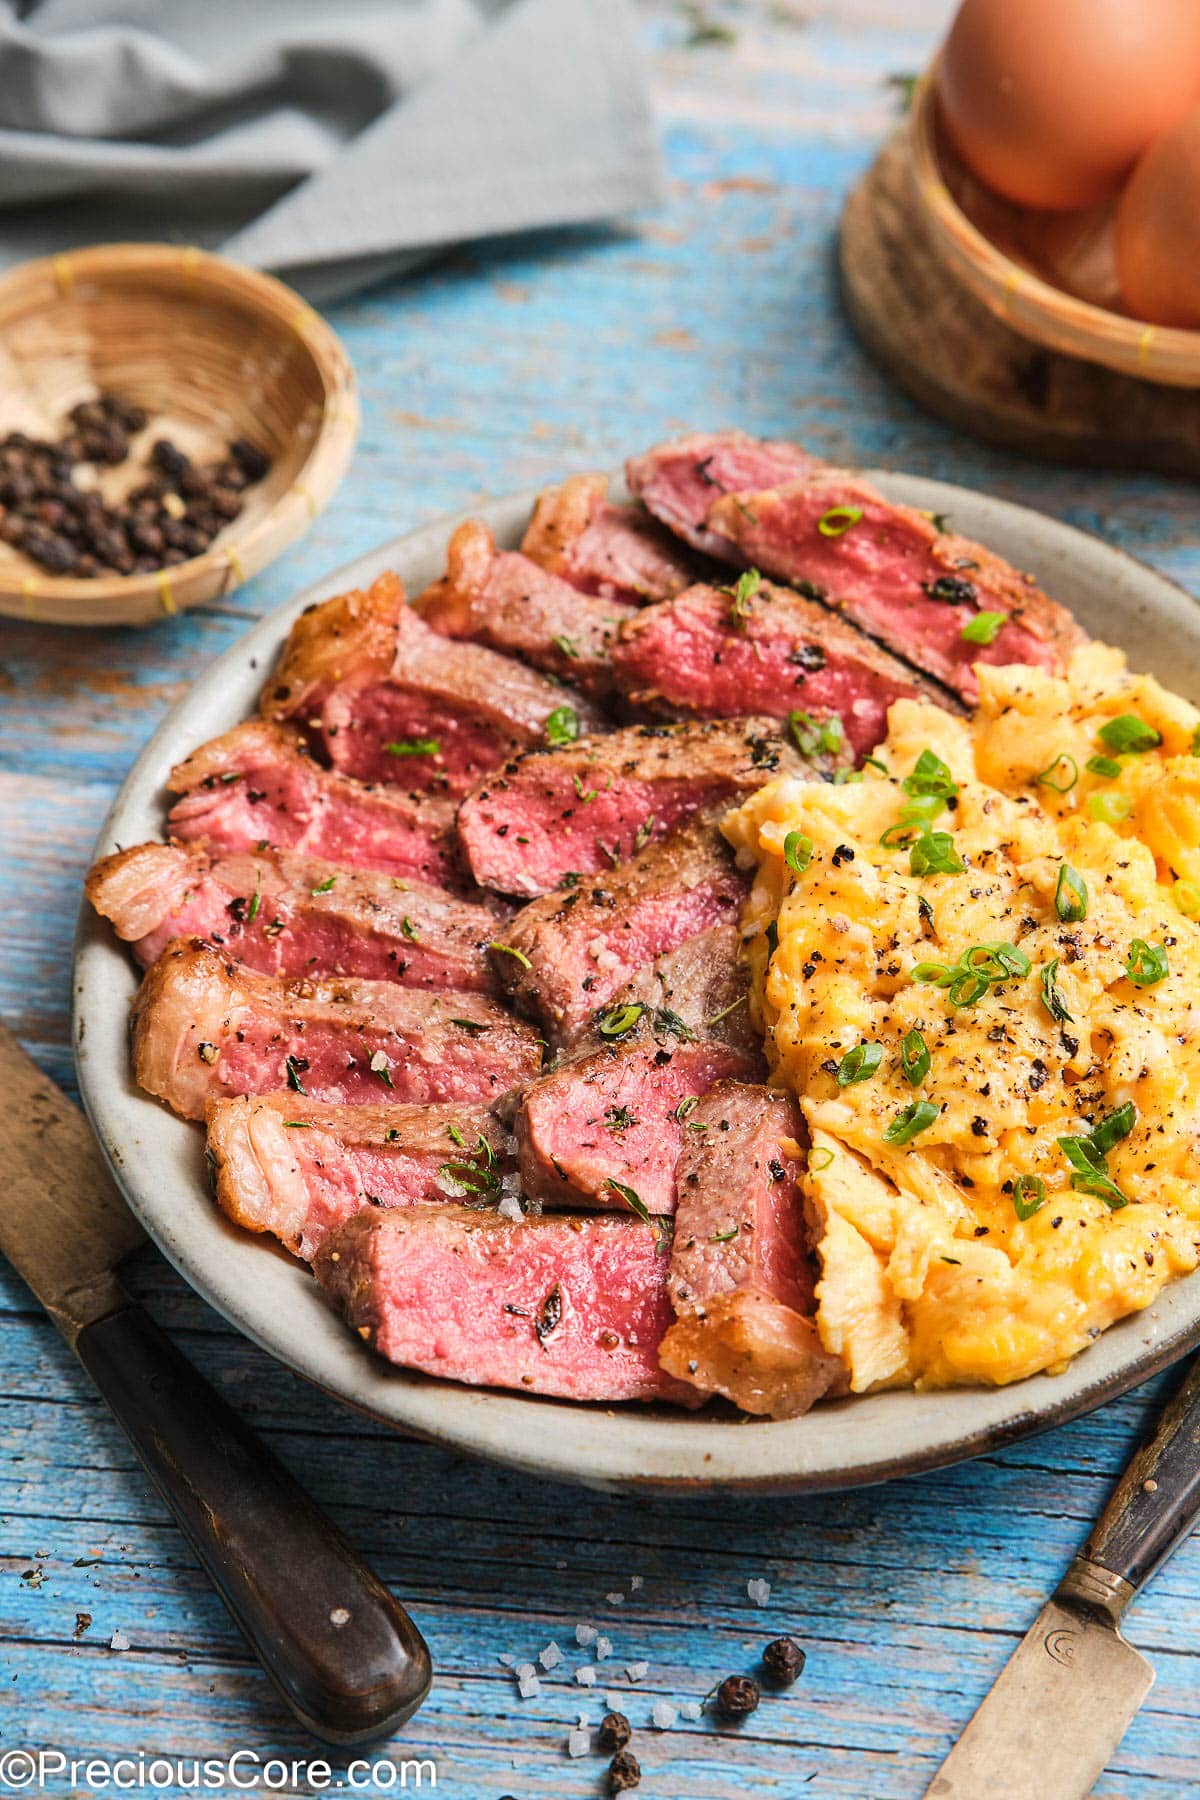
(620, 1020)
(914, 1057)
(296, 1125)
(564, 643)
(1089, 1175)
(1071, 896)
(838, 520)
(409, 929)
(475, 1027)
(930, 778)
(819, 1159)
(1103, 765)
(562, 726)
(252, 910)
(741, 596)
(1113, 1127)
(1146, 963)
(510, 950)
(797, 851)
(1186, 896)
(984, 628)
(324, 886)
(916, 1117)
(859, 1064)
(1052, 1000)
(1051, 779)
(1196, 741)
(811, 736)
(934, 854)
(586, 794)
(1109, 809)
(414, 747)
(967, 987)
(724, 1237)
(1129, 733)
(1029, 1195)
(939, 973)
(873, 762)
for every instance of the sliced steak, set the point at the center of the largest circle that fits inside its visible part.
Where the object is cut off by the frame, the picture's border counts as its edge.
(706, 984)
(575, 950)
(892, 572)
(572, 1307)
(503, 599)
(560, 814)
(599, 547)
(680, 481)
(603, 1128)
(763, 649)
(741, 1280)
(284, 914)
(388, 699)
(205, 1028)
(260, 786)
(298, 1169)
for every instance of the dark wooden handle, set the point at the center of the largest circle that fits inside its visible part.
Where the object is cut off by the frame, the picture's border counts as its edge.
(340, 1648)
(1157, 1500)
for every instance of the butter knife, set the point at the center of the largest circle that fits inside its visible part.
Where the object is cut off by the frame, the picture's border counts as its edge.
(1065, 1699)
(339, 1647)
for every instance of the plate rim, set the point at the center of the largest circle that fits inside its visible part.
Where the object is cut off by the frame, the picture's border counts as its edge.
(618, 1449)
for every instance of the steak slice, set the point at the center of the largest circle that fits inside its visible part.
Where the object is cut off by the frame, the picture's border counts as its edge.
(600, 547)
(298, 1168)
(503, 599)
(205, 1028)
(284, 914)
(582, 810)
(575, 950)
(603, 1128)
(572, 1307)
(706, 984)
(259, 786)
(679, 481)
(717, 654)
(390, 700)
(741, 1281)
(893, 572)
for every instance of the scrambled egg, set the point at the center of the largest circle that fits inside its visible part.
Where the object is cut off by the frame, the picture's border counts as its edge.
(984, 947)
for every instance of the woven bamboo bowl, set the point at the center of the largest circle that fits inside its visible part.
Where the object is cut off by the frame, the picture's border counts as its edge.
(212, 352)
(1012, 259)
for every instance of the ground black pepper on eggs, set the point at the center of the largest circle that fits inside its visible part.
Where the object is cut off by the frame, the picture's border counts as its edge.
(71, 529)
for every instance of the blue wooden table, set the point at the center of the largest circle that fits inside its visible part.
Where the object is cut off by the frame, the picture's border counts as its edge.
(502, 367)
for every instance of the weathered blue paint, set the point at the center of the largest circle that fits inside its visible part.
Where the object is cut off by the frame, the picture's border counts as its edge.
(507, 364)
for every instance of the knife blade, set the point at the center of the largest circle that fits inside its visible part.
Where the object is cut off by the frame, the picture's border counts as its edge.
(340, 1648)
(1057, 1712)
(1064, 1700)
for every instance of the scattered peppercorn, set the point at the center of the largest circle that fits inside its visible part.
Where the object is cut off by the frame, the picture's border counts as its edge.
(614, 1733)
(624, 1772)
(737, 1697)
(72, 530)
(783, 1660)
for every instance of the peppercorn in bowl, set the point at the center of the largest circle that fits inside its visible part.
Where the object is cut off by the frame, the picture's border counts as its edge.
(169, 423)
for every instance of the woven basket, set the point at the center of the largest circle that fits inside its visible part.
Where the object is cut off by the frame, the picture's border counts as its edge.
(993, 248)
(212, 352)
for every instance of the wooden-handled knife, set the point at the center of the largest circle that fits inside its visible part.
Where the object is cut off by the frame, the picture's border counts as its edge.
(1065, 1699)
(339, 1647)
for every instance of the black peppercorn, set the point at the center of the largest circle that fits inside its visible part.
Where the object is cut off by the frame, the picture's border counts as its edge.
(737, 1697)
(169, 458)
(254, 461)
(614, 1733)
(783, 1660)
(624, 1772)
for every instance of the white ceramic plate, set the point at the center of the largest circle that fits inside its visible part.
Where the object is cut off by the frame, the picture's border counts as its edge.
(158, 1159)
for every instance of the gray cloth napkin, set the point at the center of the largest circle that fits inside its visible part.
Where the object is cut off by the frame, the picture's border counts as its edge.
(334, 144)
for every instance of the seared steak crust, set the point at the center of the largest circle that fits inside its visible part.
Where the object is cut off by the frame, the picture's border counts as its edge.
(714, 653)
(205, 1028)
(706, 984)
(259, 784)
(582, 810)
(573, 1307)
(284, 914)
(512, 604)
(599, 547)
(576, 949)
(298, 1168)
(388, 699)
(680, 481)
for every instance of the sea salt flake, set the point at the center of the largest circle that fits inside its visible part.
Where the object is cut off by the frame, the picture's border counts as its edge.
(529, 1687)
(692, 1709)
(636, 1582)
(616, 1599)
(759, 1591)
(379, 1063)
(663, 1715)
(509, 1207)
(637, 1671)
(586, 1677)
(550, 1657)
(603, 1648)
(118, 1641)
(614, 1702)
(524, 1670)
(578, 1742)
(585, 1635)
(508, 1659)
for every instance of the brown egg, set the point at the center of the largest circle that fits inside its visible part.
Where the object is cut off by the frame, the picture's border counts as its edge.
(1157, 239)
(1050, 102)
